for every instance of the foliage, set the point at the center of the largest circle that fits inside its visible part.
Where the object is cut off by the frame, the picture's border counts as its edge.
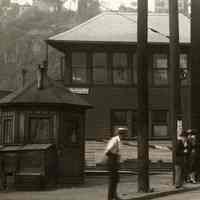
(23, 35)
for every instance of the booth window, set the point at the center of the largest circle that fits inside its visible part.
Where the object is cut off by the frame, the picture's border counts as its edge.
(159, 119)
(99, 68)
(79, 67)
(160, 69)
(8, 137)
(121, 70)
(72, 132)
(40, 129)
(125, 119)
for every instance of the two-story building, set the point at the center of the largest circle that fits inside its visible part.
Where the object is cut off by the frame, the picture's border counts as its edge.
(100, 64)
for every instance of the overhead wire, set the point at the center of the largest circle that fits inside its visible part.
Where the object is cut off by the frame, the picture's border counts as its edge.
(131, 19)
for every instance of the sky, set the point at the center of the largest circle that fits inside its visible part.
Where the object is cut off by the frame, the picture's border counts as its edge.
(111, 4)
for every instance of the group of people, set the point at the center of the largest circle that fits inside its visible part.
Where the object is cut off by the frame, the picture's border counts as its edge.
(186, 159)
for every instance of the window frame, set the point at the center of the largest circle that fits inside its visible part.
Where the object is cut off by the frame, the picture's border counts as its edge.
(100, 67)
(5, 118)
(84, 67)
(126, 124)
(184, 81)
(154, 69)
(153, 123)
(50, 138)
(127, 68)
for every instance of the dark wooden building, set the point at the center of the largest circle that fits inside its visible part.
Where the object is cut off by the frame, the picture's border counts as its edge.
(100, 64)
(42, 134)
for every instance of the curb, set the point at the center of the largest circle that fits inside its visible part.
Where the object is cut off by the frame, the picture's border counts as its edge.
(165, 193)
(122, 172)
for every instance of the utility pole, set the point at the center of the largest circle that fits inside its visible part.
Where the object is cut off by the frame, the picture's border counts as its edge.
(195, 63)
(142, 92)
(174, 77)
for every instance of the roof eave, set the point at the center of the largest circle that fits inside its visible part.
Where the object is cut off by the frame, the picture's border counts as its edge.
(62, 44)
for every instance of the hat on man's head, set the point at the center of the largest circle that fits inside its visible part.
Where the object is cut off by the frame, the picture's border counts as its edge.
(122, 130)
(192, 131)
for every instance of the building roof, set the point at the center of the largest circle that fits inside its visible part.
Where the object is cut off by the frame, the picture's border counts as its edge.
(122, 27)
(51, 93)
(25, 147)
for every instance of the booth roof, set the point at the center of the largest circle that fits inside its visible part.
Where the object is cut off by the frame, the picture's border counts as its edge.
(51, 93)
(25, 147)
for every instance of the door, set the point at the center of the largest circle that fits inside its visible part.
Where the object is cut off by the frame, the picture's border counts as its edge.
(71, 159)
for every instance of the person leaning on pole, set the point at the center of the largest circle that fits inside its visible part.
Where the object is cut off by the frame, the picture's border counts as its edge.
(192, 160)
(181, 151)
(113, 161)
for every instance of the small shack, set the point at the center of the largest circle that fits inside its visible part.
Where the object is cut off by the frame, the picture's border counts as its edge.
(42, 128)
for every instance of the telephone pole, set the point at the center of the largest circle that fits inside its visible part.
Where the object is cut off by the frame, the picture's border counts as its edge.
(142, 92)
(195, 63)
(174, 80)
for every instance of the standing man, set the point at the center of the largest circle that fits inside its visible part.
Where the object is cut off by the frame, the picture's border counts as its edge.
(192, 160)
(113, 153)
(181, 155)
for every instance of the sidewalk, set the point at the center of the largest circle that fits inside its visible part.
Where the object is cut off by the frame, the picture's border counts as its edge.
(95, 188)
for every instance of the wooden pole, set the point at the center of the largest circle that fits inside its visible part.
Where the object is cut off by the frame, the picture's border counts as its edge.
(142, 90)
(174, 80)
(195, 63)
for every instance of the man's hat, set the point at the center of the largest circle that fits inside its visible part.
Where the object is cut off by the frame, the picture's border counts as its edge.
(122, 130)
(192, 131)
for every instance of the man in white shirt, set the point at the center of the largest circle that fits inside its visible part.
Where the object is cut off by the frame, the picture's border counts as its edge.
(113, 153)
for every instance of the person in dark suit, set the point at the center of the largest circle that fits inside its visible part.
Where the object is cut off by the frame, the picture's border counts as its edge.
(181, 152)
(192, 160)
(113, 162)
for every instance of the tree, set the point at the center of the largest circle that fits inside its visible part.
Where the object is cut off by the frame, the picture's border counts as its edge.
(88, 9)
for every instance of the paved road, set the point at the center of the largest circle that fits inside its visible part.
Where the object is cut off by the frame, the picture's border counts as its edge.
(192, 195)
(95, 188)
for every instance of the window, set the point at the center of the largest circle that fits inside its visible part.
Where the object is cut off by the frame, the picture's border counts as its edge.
(72, 132)
(8, 137)
(159, 120)
(125, 119)
(79, 67)
(40, 129)
(134, 67)
(184, 69)
(99, 68)
(160, 69)
(121, 71)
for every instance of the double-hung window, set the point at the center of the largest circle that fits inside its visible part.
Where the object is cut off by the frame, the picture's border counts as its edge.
(40, 129)
(125, 119)
(121, 70)
(184, 69)
(159, 123)
(79, 67)
(8, 135)
(160, 69)
(99, 68)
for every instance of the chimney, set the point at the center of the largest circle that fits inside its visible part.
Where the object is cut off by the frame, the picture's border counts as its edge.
(41, 73)
(39, 77)
(23, 77)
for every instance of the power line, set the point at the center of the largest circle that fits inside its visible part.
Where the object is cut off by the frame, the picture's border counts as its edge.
(130, 19)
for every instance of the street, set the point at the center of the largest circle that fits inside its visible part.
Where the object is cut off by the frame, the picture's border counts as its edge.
(192, 195)
(95, 187)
